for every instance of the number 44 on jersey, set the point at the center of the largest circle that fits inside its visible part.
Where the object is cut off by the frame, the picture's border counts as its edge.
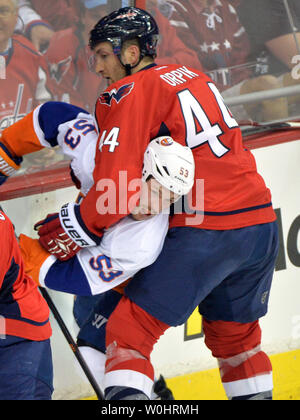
(191, 109)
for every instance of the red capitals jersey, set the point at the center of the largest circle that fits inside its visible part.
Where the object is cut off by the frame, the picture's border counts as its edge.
(23, 311)
(218, 37)
(171, 48)
(25, 84)
(61, 14)
(72, 81)
(185, 104)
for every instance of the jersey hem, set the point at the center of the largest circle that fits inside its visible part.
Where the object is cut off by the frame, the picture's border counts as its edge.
(24, 330)
(257, 217)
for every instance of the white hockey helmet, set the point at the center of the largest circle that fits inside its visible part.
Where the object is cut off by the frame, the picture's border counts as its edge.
(170, 163)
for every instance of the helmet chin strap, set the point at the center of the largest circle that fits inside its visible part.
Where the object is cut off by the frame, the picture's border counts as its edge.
(128, 67)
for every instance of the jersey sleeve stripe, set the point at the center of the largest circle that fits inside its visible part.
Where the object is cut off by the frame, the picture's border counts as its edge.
(45, 267)
(59, 274)
(92, 236)
(69, 221)
(49, 116)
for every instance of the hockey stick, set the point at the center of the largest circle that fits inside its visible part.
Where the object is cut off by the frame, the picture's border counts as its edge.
(72, 343)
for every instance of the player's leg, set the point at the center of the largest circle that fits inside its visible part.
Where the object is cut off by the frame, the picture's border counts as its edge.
(192, 264)
(246, 371)
(82, 308)
(231, 326)
(131, 334)
(26, 369)
(91, 342)
(163, 294)
(91, 337)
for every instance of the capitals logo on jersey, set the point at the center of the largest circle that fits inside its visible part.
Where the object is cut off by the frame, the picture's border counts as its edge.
(58, 70)
(116, 94)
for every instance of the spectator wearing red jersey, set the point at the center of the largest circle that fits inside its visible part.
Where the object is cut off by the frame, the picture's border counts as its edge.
(214, 29)
(33, 26)
(68, 60)
(61, 14)
(26, 371)
(171, 49)
(40, 20)
(275, 48)
(67, 56)
(26, 83)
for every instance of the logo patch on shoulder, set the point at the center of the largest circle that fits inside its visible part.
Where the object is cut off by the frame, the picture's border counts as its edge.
(107, 97)
(166, 141)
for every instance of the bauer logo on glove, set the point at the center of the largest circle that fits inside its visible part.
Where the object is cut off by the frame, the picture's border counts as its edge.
(54, 239)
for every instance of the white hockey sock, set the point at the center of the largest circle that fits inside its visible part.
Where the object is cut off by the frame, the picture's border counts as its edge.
(95, 360)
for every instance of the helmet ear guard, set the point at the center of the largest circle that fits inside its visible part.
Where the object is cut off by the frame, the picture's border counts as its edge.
(171, 164)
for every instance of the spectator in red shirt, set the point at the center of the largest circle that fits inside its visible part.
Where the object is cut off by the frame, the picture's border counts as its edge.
(214, 29)
(275, 48)
(26, 73)
(67, 56)
(32, 25)
(60, 14)
(171, 48)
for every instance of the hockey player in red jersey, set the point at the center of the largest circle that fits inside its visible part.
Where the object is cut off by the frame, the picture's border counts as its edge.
(202, 261)
(25, 353)
(25, 83)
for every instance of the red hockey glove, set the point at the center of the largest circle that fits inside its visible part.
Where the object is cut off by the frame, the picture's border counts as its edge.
(54, 238)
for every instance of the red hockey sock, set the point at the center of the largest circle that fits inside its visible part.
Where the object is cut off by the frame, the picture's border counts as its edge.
(130, 336)
(245, 370)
